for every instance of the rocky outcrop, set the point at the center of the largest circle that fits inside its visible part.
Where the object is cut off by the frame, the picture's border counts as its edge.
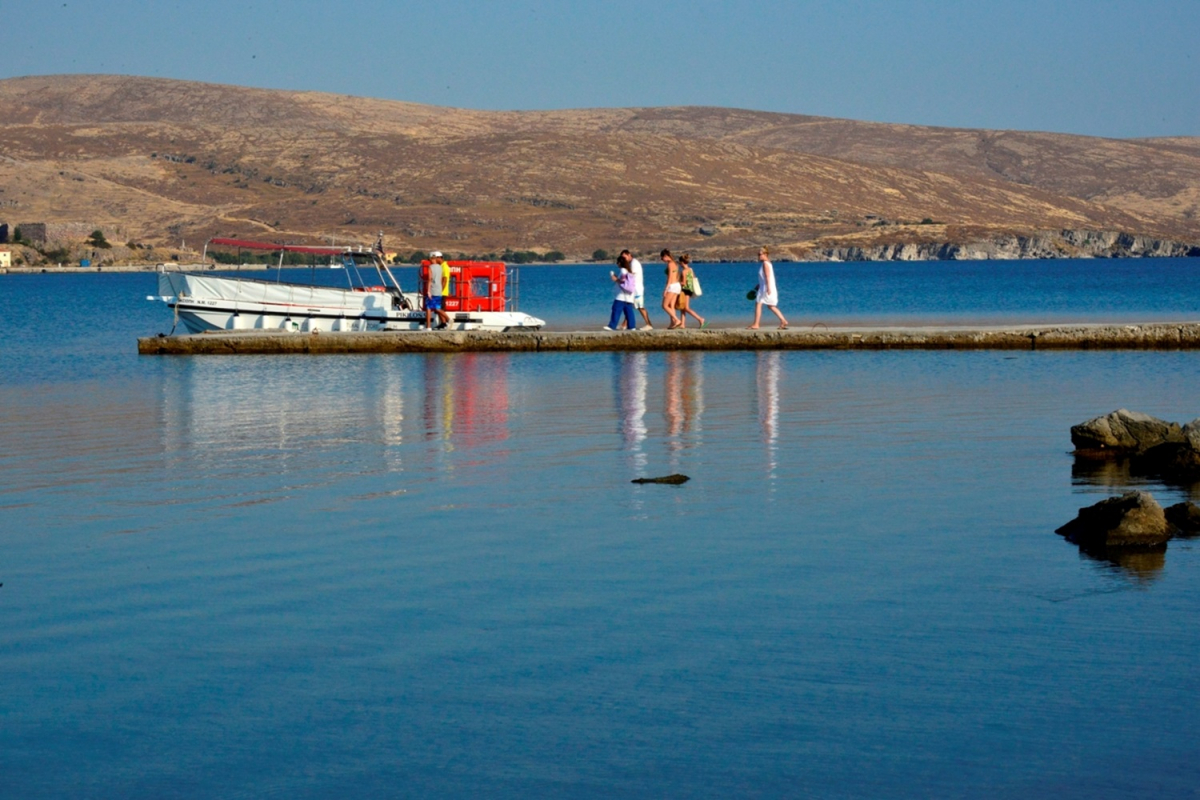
(1049, 244)
(1122, 432)
(1131, 531)
(1143, 446)
(1185, 517)
(1133, 520)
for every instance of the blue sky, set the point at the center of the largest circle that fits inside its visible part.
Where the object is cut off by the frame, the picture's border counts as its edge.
(1102, 67)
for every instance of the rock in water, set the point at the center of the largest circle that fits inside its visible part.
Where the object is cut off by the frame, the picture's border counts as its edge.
(1123, 432)
(1185, 517)
(1134, 519)
(664, 479)
(1191, 434)
(1174, 462)
(1188, 458)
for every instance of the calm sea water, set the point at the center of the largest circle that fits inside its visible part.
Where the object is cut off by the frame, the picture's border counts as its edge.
(430, 575)
(575, 297)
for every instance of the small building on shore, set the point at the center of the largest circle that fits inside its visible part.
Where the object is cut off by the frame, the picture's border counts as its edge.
(5, 258)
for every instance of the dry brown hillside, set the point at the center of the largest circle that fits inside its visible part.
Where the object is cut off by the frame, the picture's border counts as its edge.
(158, 161)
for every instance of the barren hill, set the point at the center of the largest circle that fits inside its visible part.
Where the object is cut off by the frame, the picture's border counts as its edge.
(154, 160)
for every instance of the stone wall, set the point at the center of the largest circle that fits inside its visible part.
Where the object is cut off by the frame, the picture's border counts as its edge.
(33, 232)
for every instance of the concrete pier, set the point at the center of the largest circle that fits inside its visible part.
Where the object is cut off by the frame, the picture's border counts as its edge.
(1150, 336)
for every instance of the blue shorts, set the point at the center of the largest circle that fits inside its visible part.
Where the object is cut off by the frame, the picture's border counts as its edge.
(433, 303)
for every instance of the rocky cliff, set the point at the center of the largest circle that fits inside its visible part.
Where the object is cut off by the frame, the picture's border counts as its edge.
(1048, 244)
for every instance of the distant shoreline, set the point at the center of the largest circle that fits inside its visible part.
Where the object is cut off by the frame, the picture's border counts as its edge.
(133, 268)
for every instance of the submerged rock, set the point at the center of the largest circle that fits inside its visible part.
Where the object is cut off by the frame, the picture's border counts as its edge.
(1123, 432)
(1133, 520)
(664, 479)
(1185, 517)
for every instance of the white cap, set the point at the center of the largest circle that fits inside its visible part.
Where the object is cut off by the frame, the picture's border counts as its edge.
(436, 254)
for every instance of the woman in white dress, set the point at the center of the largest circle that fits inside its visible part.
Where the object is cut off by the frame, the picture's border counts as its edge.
(768, 293)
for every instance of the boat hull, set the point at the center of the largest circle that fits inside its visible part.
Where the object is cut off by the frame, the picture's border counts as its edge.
(209, 303)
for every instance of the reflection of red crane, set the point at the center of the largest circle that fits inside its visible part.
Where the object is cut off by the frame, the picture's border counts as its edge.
(480, 393)
(474, 285)
(466, 397)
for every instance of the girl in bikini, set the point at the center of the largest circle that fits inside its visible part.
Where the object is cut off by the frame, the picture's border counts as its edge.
(674, 289)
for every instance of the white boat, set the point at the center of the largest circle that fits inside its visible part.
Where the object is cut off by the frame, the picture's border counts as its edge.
(203, 301)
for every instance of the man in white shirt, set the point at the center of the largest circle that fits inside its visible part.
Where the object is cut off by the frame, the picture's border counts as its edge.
(639, 302)
(437, 284)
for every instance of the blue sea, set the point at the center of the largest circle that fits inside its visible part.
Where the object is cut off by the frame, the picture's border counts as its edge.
(430, 575)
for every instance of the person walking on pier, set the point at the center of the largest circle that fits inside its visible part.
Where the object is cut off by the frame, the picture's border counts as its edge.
(622, 305)
(673, 290)
(436, 287)
(767, 293)
(639, 294)
(689, 285)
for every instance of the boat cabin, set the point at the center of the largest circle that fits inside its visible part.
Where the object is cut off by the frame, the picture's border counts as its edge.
(474, 285)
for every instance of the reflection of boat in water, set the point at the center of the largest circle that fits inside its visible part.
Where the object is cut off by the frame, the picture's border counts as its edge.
(397, 413)
(204, 302)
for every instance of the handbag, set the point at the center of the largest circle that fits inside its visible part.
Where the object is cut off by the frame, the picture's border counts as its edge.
(696, 290)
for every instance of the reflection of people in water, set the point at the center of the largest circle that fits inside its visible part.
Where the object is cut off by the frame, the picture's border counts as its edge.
(673, 397)
(631, 387)
(682, 397)
(438, 411)
(767, 380)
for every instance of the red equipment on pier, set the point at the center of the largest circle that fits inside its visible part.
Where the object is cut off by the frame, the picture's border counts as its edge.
(474, 285)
